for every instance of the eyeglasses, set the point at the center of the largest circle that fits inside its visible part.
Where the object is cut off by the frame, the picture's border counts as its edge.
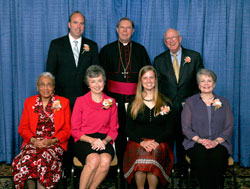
(43, 85)
(171, 38)
(125, 28)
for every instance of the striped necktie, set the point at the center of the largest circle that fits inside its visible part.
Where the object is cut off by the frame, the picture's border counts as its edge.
(76, 52)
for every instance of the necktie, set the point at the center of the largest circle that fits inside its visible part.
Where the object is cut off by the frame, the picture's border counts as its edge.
(176, 68)
(76, 52)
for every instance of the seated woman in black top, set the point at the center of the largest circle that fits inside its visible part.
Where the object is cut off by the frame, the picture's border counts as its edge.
(149, 126)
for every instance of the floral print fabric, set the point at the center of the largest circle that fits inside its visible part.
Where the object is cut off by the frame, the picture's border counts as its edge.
(35, 163)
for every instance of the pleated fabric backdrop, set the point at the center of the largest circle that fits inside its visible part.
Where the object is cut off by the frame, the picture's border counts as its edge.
(218, 29)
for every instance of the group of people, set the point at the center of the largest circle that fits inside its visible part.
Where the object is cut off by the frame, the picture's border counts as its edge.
(118, 96)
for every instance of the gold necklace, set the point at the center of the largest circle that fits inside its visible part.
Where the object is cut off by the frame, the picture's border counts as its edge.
(124, 73)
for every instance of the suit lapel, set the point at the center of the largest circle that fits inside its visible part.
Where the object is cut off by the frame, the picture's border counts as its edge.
(69, 49)
(182, 72)
(81, 55)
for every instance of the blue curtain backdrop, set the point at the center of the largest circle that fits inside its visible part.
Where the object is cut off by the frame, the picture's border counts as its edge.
(218, 29)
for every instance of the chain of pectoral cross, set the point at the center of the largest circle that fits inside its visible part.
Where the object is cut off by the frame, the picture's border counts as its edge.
(125, 73)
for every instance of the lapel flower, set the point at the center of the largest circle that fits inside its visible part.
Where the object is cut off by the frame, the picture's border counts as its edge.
(56, 105)
(187, 60)
(107, 103)
(164, 110)
(86, 48)
(217, 104)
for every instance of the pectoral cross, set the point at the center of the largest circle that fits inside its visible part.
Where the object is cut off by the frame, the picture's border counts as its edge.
(124, 74)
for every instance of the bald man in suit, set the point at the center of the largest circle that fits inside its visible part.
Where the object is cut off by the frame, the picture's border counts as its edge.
(178, 84)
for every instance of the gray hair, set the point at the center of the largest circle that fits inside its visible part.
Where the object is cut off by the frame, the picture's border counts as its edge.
(94, 71)
(207, 73)
(46, 74)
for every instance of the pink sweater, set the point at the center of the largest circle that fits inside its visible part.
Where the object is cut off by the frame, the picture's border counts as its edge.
(89, 117)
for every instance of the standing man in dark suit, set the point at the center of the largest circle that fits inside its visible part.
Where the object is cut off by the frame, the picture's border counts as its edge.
(68, 59)
(177, 68)
(66, 64)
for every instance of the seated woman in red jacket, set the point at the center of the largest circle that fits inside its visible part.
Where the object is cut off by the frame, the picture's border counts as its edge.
(45, 129)
(94, 126)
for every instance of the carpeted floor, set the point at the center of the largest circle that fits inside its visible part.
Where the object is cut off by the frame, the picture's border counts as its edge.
(243, 180)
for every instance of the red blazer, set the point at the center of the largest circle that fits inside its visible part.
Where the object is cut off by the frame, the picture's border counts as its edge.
(29, 120)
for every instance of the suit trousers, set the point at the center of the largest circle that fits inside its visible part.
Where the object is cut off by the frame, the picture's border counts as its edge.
(121, 140)
(179, 137)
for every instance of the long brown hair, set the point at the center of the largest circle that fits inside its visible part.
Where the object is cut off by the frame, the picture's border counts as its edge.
(138, 105)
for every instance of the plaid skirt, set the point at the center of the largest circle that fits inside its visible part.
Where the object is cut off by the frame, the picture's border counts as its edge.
(159, 162)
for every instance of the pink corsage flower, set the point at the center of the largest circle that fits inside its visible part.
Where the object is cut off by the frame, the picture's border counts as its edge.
(217, 104)
(187, 60)
(164, 110)
(107, 103)
(86, 48)
(56, 105)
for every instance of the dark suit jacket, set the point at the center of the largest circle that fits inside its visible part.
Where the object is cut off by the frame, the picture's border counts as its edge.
(61, 63)
(28, 123)
(187, 85)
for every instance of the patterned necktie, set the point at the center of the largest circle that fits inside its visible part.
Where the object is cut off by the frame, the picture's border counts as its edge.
(176, 68)
(76, 52)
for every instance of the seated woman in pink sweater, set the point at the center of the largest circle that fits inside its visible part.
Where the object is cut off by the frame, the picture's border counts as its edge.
(94, 127)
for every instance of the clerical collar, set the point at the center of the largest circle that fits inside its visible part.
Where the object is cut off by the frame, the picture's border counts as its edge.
(124, 44)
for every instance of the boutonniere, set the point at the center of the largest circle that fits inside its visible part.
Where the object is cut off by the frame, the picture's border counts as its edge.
(107, 103)
(86, 48)
(217, 104)
(164, 110)
(187, 60)
(56, 105)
